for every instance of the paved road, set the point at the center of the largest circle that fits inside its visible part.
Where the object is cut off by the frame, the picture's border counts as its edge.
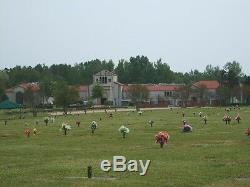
(108, 110)
(118, 110)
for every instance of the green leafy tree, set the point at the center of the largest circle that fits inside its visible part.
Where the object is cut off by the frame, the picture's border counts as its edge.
(97, 91)
(46, 88)
(4, 78)
(211, 73)
(65, 95)
(120, 71)
(246, 92)
(184, 92)
(138, 94)
(29, 97)
(225, 93)
(163, 73)
(232, 73)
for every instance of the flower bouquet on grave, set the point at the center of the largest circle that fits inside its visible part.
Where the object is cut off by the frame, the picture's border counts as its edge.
(65, 127)
(46, 120)
(52, 119)
(227, 119)
(93, 126)
(187, 128)
(248, 132)
(162, 138)
(151, 122)
(35, 131)
(237, 118)
(123, 130)
(140, 112)
(205, 119)
(27, 132)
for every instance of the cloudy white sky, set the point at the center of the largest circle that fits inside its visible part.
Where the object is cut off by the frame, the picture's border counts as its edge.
(187, 34)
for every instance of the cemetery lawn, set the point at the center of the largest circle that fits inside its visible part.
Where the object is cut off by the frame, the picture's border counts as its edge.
(212, 155)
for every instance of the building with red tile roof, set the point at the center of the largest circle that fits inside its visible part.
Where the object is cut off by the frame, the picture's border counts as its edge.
(17, 94)
(205, 92)
(163, 94)
(210, 84)
(156, 87)
(117, 93)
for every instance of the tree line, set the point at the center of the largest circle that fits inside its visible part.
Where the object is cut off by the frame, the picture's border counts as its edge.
(136, 70)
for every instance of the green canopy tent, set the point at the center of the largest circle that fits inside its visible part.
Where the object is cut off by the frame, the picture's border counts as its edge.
(9, 105)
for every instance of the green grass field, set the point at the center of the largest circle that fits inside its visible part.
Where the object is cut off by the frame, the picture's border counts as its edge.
(212, 155)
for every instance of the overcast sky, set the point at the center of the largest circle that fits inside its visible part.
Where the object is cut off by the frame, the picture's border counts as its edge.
(186, 34)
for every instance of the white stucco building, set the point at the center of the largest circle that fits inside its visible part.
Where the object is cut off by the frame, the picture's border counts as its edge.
(112, 88)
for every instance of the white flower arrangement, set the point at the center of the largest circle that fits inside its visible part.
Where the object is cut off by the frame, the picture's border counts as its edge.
(93, 126)
(151, 122)
(65, 127)
(52, 119)
(124, 130)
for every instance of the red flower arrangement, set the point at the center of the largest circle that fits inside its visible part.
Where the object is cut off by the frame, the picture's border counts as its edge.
(162, 138)
(27, 132)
